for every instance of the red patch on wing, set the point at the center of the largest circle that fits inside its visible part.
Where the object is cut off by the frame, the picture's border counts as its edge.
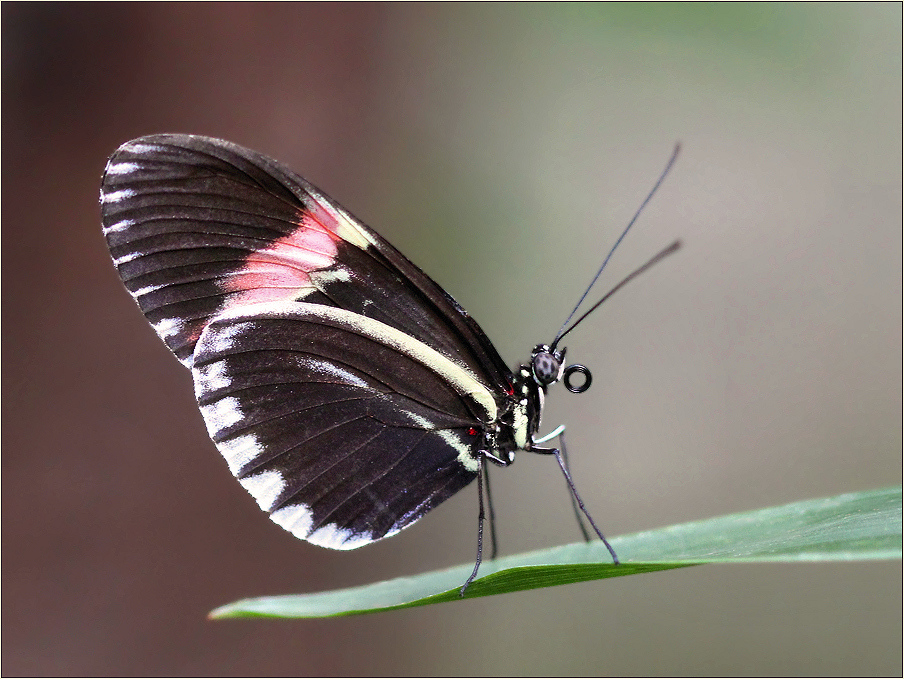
(282, 270)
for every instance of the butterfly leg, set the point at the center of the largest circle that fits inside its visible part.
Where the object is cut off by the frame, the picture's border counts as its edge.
(574, 502)
(494, 550)
(483, 476)
(480, 478)
(577, 498)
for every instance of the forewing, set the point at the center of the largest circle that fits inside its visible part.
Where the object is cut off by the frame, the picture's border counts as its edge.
(345, 429)
(198, 227)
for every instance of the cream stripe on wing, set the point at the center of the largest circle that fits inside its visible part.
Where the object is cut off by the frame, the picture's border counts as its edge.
(462, 380)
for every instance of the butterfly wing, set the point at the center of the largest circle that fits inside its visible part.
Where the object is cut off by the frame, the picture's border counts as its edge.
(198, 226)
(243, 269)
(345, 429)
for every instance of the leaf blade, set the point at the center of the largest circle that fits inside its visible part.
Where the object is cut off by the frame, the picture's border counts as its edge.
(850, 527)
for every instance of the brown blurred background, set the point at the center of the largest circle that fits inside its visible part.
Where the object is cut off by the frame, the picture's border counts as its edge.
(502, 148)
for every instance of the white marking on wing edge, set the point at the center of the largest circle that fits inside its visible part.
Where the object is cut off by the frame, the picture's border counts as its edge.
(119, 226)
(122, 168)
(146, 289)
(117, 196)
(168, 327)
(264, 487)
(239, 451)
(334, 537)
(222, 414)
(127, 258)
(143, 148)
(296, 519)
(210, 378)
(225, 337)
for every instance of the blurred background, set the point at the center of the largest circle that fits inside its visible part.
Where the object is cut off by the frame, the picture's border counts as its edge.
(502, 148)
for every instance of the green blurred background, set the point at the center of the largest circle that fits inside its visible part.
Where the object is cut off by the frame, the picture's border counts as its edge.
(502, 148)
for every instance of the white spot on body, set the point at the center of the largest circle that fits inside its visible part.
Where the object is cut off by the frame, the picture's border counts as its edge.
(265, 487)
(520, 422)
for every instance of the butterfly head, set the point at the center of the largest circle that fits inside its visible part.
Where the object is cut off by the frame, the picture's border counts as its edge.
(547, 366)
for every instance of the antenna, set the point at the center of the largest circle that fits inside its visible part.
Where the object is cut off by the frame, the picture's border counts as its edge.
(662, 255)
(674, 247)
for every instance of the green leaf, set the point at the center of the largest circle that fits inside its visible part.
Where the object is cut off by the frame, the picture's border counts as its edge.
(850, 527)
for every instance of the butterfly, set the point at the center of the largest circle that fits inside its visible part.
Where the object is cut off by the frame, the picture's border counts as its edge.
(348, 392)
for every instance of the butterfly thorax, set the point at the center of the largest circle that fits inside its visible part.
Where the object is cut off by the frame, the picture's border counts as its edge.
(520, 414)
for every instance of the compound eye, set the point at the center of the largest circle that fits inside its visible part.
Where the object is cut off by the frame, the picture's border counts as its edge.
(583, 386)
(547, 367)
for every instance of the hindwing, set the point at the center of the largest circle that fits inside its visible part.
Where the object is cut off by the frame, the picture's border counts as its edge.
(345, 429)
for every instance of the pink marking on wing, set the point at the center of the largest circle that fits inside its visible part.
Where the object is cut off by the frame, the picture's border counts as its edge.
(282, 270)
(321, 214)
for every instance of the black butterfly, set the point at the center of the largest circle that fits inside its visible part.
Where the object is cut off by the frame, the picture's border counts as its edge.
(348, 392)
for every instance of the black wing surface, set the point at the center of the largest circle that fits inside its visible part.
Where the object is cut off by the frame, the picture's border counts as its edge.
(198, 226)
(346, 390)
(345, 429)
